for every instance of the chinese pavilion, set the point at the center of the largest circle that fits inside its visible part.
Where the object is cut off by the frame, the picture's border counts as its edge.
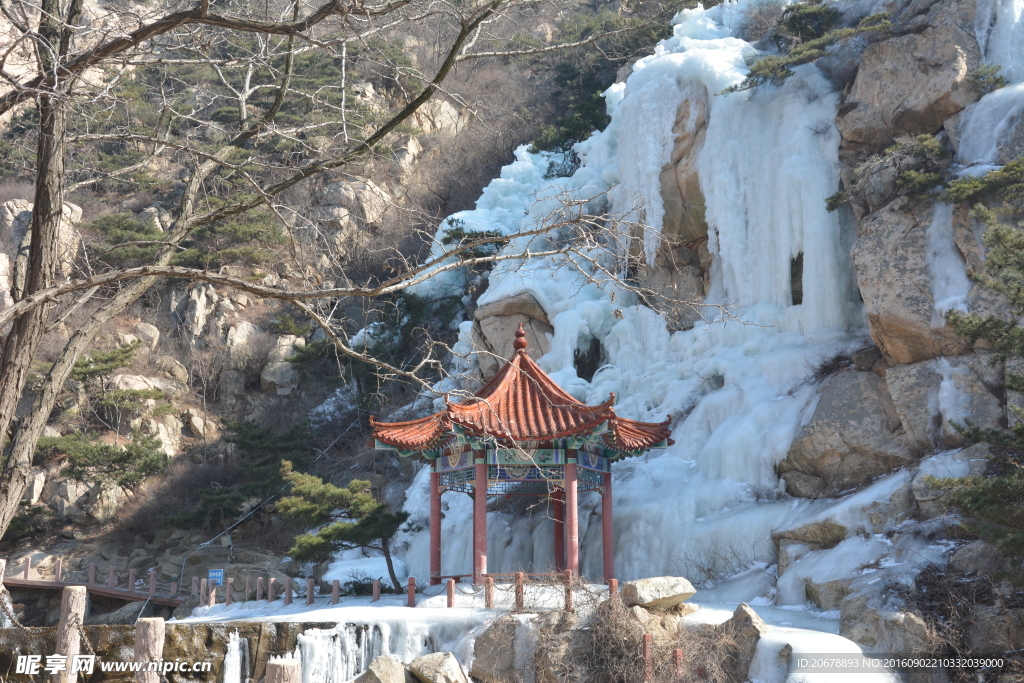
(521, 434)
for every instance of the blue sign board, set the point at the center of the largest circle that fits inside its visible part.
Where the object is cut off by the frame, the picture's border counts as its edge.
(215, 577)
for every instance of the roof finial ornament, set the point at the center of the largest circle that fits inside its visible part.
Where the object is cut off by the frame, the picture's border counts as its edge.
(520, 343)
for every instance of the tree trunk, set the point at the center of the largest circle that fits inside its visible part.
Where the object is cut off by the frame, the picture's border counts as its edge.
(391, 567)
(27, 330)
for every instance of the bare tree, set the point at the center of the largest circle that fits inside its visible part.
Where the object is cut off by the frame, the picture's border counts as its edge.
(79, 73)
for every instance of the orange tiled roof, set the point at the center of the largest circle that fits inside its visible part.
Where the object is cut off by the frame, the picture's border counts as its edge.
(521, 403)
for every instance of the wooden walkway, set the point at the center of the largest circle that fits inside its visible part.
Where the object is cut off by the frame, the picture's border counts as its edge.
(166, 594)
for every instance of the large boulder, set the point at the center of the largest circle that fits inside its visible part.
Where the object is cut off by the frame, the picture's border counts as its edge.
(347, 210)
(890, 258)
(995, 629)
(15, 221)
(278, 376)
(149, 334)
(493, 337)
(744, 629)
(167, 430)
(854, 434)
(978, 558)
(6, 282)
(103, 501)
(440, 116)
(438, 667)
(386, 669)
(911, 83)
(493, 651)
(140, 383)
(172, 368)
(523, 303)
(661, 592)
(934, 396)
(36, 485)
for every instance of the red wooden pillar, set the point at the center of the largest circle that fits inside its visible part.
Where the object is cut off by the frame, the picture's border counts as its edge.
(572, 527)
(435, 528)
(558, 512)
(480, 523)
(607, 526)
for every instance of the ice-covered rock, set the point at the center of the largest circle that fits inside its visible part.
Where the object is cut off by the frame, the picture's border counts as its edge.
(969, 462)
(684, 204)
(891, 260)
(854, 434)
(933, 396)
(660, 592)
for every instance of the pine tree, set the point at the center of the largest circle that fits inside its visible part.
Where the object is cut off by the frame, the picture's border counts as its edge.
(995, 504)
(349, 517)
(260, 452)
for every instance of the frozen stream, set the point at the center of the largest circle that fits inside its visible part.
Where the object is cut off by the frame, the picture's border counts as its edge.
(365, 631)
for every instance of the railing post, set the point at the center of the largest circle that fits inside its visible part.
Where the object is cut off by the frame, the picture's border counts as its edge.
(677, 664)
(259, 588)
(520, 581)
(92, 573)
(248, 587)
(568, 590)
(28, 565)
(152, 581)
(69, 635)
(228, 598)
(648, 652)
(172, 590)
(195, 585)
(376, 590)
(335, 590)
(149, 647)
(58, 570)
(309, 591)
(111, 577)
(131, 580)
(212, 602)
(271, 589)
(283, 671)
(489, 592)
(411, 591)
(203, 587)
(451, 592)
(288, 591)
